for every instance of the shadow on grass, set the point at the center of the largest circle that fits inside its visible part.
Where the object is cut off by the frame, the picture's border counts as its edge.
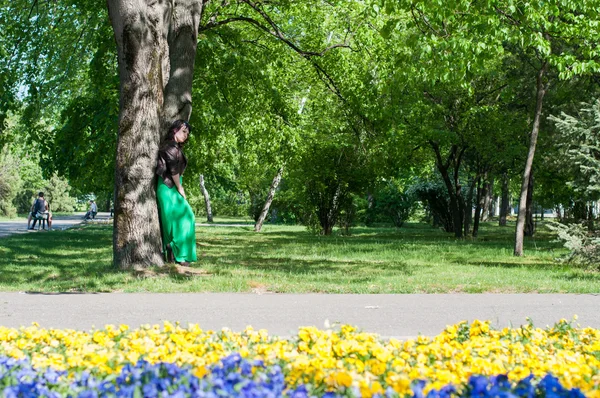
(360, 270)
(503, 264)
(71, 261)
(579, 275)
(80, 260)
(368, 240)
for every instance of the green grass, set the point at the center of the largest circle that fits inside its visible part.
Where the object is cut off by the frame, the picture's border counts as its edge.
(227, 220)
(414, 259)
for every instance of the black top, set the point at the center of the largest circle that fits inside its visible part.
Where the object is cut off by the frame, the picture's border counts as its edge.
(171, 161)
(39, 205)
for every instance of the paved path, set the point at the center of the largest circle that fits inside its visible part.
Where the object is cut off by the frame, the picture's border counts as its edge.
(58, 222)
(399, 315)
(19, 226)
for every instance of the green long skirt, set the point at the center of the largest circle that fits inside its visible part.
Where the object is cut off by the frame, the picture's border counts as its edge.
(177, 221)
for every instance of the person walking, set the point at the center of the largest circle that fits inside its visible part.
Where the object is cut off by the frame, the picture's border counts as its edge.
(177, 219)
(93, 209)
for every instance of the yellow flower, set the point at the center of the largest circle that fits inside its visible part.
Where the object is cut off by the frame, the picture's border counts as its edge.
(339, 379)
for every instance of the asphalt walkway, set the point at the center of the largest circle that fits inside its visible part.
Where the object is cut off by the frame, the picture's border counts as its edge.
(19, 226)
(59, 222)
(399, 315)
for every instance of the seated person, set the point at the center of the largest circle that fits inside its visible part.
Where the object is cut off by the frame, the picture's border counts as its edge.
(91, 213)
(39, 209)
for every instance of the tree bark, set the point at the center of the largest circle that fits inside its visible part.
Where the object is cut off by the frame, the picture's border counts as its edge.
(265, 210)
(182, 39)
(541, 89)
(558, 214)
(529, 222)
(457, 204)
(139, 35)
(209, 215)
(488, 201)
(480, 209)
(156, 51)
(504, 202)
(469, 207)
(328, 214)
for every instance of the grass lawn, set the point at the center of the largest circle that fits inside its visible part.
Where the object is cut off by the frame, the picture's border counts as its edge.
(414, 259)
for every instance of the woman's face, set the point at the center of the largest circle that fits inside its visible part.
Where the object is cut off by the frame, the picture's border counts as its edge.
(182, 134)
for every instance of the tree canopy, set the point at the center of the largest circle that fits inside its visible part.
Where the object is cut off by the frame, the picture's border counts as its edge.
(347, 96)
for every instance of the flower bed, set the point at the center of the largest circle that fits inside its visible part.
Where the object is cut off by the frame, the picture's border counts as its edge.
(464, 360)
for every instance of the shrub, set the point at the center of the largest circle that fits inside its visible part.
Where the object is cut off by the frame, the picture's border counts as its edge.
(583, 245)
(395, 204)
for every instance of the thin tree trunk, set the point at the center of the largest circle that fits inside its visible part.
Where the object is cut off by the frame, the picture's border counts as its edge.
(371, 207)
(558, 214)
(209, 215)
(529, 223)
(504, 202)
(540, 92)
(458, 192)
(488, 201)
(457, 205)
(481, 195)
(265, 210)
(328, 215)
(469, 207)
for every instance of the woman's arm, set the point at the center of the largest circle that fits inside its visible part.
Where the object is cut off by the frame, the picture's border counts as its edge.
(178, 185)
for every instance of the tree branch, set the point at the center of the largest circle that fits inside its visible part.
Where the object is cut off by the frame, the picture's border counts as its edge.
(274, 31)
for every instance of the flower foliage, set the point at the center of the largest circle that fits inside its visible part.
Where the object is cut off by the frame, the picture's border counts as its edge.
(465, 360)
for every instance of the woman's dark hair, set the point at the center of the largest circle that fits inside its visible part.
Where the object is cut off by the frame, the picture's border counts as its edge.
(177, 124)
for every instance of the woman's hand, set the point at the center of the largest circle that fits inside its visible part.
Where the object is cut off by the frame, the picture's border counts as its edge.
(180, 190)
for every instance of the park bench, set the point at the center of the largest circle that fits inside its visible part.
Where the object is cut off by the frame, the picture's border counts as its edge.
(42, 218)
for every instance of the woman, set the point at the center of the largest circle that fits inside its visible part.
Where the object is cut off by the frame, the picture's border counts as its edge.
(176, 216)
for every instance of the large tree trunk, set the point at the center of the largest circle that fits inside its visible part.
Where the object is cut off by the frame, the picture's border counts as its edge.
(265, 210)
(504, 202)
(540, 92)
(154, 51)
(209, 216)
(183, 40)
(138, 32)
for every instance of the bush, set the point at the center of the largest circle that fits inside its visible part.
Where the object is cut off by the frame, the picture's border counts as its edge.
(57, 193)
(10, 183)
(395, 204)
(583, 245)
(436, 201)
